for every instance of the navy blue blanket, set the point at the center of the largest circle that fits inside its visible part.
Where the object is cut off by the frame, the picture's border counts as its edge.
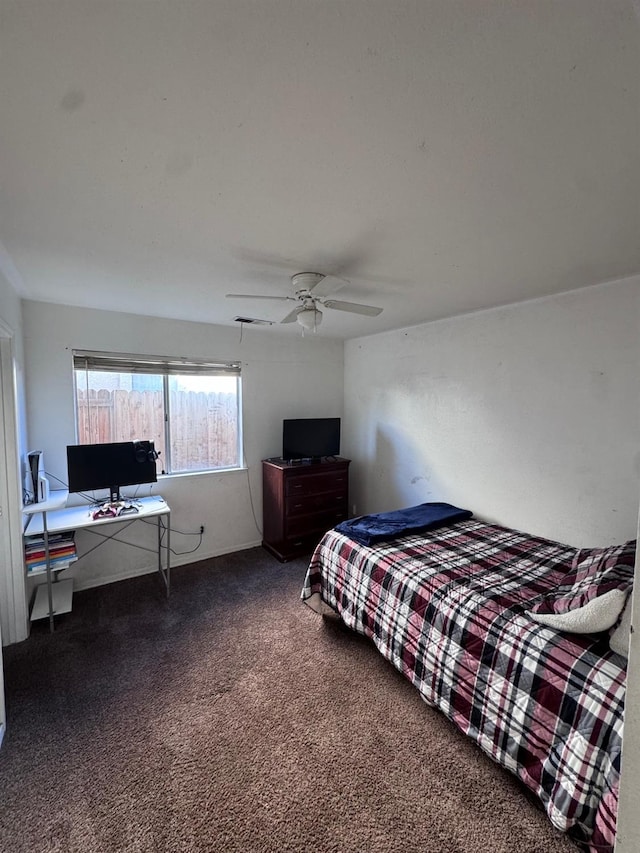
(369, 529)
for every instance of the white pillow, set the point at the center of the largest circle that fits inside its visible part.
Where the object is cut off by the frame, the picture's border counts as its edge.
(599, 614)
(619, 640)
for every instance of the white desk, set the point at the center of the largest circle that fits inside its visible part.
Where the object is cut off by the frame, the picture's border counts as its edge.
(48, 517)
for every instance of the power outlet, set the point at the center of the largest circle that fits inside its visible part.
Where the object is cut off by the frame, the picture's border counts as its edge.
(201, 529)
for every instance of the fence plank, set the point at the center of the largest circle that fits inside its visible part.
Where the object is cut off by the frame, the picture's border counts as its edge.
(204, 426)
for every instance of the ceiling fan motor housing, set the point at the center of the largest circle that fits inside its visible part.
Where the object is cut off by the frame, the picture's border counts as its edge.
(303, 282)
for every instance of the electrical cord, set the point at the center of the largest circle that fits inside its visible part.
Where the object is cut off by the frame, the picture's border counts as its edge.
(114, 536)
(88, 497)
(248, 467)
(53, 477)
(165, 528)
(106, 537)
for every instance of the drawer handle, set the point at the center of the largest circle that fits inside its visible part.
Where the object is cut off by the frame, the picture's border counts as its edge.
(297, 506)
(298, 486)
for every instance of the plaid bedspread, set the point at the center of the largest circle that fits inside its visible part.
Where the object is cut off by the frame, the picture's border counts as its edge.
(447, 609)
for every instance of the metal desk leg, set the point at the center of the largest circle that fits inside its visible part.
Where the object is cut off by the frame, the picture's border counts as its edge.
(166, 573)
(168, 554)
(48, 565)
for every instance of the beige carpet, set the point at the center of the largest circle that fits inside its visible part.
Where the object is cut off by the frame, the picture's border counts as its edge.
(232, 718)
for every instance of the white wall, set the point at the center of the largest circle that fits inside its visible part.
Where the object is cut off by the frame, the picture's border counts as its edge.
(10, 308)
(13, 612)
(11, 315)
(281, 377)
(528, 415)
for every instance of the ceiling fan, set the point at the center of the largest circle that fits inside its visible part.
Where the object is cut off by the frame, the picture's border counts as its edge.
(311, 290)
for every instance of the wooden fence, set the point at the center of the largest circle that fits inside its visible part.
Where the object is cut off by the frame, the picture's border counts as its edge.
(204, 427)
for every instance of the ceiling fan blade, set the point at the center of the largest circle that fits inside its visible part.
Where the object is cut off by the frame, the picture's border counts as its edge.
(292, 316)
(258, 296)
(327, 285)
(353, 307)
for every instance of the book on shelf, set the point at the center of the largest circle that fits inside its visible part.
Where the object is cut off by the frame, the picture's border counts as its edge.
(62, 552)
(39, 552)
(54, 538)
(56, 565)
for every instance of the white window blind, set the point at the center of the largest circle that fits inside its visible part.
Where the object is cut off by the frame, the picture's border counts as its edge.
(152, 364)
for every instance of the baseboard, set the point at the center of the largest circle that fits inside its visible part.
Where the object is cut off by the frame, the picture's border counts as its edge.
(176, 563)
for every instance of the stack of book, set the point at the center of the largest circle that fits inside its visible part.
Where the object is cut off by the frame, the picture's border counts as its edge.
(62, 552)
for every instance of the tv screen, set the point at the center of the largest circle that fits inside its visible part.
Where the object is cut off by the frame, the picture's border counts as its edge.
(91, 467)
(310, 438)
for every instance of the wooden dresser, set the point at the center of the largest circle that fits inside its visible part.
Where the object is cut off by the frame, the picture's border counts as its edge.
(301, 501)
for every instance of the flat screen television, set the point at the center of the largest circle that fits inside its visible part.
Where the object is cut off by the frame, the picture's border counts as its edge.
(91, 467)
(310, 438)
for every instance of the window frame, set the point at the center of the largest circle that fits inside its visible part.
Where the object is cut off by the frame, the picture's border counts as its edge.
(164, 367)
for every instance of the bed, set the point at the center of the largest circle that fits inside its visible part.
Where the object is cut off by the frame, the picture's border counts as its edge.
(454, 610)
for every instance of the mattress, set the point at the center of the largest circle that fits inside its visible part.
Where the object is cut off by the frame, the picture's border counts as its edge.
(448, 610)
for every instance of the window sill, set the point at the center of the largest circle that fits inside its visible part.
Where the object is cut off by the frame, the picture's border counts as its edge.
(208, 473)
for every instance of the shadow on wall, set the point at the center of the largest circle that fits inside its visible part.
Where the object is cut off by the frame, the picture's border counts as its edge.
(398, 474)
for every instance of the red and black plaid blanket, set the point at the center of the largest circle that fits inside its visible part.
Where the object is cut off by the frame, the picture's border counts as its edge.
(447, 609)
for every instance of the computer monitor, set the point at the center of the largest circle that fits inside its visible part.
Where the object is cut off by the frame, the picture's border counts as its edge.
(92, 467)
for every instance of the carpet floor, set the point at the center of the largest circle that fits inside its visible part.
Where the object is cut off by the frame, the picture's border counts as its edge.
(232, 718)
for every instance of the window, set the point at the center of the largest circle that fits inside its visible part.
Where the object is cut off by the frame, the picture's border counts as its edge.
(189, 408)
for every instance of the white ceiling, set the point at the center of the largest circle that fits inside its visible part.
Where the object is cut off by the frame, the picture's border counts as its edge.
(443, 155)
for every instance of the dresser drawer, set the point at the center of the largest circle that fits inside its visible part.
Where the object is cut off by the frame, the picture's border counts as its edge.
(311, 484)
(304, 525)
(303, 504)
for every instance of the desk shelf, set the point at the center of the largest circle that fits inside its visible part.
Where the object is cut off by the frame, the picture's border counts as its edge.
(52, 518)
(62, 593)
(59, 567)
(56, 500)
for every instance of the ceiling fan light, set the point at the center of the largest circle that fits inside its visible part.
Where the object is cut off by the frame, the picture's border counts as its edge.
(309, 318)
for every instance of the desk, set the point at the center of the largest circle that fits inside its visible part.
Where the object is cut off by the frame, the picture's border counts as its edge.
(47, 518)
